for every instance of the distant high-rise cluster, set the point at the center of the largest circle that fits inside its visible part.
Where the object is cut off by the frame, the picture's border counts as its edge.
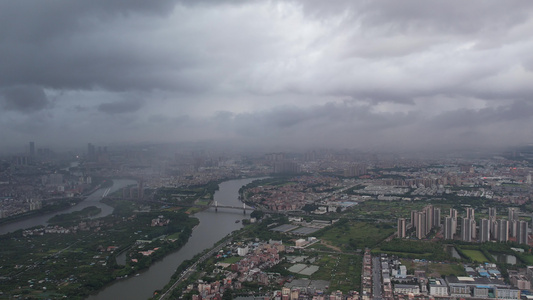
(287, 167)
(275, 156)
(281, 164)
(134, 192)
(32, 149)
(355, 170)
(91, 152)
(96, 154)
(32, 155)
(468, 226)
(501, 230)
(425, 220)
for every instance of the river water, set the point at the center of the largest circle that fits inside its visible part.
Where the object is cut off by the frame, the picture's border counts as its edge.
(91, 200)
(213, 227)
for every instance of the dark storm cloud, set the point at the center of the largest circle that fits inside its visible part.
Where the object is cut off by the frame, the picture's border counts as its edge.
(120, 107)
(300, 71)
(65, 44)
(24, 99)
(35, 20)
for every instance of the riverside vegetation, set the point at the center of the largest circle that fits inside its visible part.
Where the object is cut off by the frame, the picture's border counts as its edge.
(74, 264)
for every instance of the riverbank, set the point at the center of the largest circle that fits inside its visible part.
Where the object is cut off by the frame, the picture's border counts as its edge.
(188, 268)
(57, 205)
(83, 254)
(212, 228)
(63, 204)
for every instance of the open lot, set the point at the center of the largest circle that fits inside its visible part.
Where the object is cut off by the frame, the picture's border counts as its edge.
(475, 255)
(355, 235)
(342, 271)
(434, 269)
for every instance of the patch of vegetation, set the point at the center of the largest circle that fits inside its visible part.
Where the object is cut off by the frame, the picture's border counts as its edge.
(342, 271)
(232, 259)
(525, 258)
(384, 210)
(434, 269)
(475, 255)
(84, 262)
(73, 217)
(414, 249)
(351, 235)
(122, 208)
(187, 195)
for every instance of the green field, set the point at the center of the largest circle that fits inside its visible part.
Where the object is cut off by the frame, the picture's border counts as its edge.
(203, 202)
(475, 255)
(173, 236)
(434, 269)
(350, 236)
(342, 271)
(319, 246)
(388, 210)
(527, 258)
(232, 260)
(403, 254)
(414, 249)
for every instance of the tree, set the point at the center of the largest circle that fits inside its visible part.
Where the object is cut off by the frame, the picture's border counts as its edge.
(310, 207)
(257, 214)
(227, 295)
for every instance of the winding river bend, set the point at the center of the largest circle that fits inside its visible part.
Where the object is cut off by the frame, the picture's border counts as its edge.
(213, 227)
(91, 200)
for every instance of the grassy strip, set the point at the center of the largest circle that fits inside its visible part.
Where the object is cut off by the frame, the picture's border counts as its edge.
(475, 255)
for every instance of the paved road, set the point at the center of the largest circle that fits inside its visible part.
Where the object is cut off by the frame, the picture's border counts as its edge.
(376, 278)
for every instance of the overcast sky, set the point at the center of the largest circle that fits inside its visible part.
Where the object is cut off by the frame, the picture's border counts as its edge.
(280, 74)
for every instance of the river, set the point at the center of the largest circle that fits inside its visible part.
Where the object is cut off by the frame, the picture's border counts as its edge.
(91, 200)
(213, 227)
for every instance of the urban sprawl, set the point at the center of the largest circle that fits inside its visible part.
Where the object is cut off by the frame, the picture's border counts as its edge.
(326, 224)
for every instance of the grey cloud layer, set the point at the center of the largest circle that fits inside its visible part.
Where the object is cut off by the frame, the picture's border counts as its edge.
(120, 107)
(24, 98)
(345, 73)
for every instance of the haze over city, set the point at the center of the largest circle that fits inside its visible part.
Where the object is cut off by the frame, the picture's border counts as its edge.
(266, 150)
(277, 74)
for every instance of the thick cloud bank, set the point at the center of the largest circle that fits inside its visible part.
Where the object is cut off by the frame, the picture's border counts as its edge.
(363, 74)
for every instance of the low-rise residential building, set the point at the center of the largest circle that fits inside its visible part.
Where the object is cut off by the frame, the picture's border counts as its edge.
(406, 289)
(438, 287)
(480, 287)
